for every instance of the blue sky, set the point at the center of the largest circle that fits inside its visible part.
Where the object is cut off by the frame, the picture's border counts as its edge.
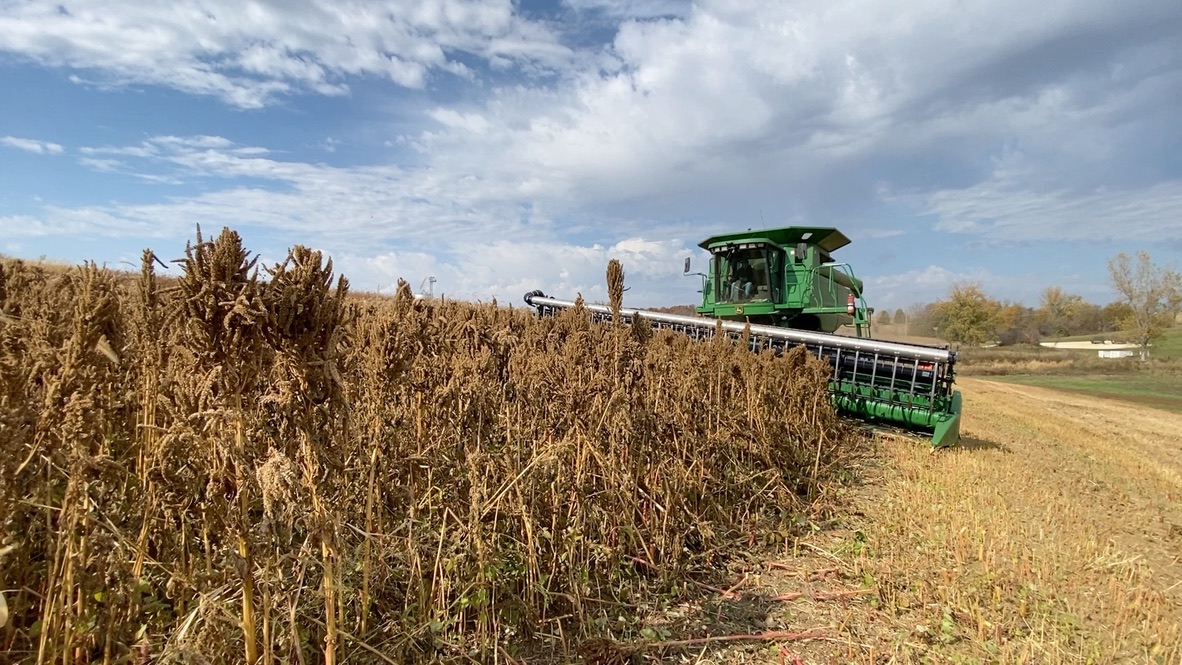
(506, 146)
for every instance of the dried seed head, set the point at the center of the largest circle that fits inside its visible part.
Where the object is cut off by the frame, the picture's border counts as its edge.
(277, 480)
(615, 287)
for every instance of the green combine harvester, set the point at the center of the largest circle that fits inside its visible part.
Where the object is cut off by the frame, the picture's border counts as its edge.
(785, 285)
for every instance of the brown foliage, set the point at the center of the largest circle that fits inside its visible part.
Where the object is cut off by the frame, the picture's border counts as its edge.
(267, 469)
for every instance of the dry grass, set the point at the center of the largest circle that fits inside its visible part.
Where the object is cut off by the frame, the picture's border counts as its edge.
(1051, 536)
(242, 467)
(1028, 359)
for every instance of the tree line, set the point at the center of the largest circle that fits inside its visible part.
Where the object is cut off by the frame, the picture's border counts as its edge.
(1149, 299)
(970, 316)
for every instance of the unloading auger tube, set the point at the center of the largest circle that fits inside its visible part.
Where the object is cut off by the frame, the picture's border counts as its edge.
(906, 385)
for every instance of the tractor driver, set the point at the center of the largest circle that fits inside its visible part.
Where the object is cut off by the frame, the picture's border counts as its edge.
(742, 279)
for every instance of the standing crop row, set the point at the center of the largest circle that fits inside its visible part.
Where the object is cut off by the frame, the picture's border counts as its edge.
(243, 464)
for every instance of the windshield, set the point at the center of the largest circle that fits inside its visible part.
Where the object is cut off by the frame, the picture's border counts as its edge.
(742, 276)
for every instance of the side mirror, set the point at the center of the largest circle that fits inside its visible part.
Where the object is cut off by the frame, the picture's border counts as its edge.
(687, 265)
(802, 249)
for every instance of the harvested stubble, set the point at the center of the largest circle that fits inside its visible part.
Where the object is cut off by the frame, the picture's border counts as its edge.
(266, 469)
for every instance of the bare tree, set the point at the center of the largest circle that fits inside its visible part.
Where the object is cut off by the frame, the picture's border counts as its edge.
(1152, 293)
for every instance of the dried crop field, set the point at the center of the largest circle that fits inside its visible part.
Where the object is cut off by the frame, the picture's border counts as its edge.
(243, 468)
(1052, 535)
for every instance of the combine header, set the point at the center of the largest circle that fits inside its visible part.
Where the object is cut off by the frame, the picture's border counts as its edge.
(784, 285)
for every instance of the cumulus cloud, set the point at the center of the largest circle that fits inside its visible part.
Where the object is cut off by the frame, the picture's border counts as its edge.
(935, 282)
(631, 9)
(507, 270)
(381, 223)
(1015, 204)
(804, 111)
(31, 145)
(800, 110)
(247, 54)
(356, 206)
(686, 118)
(100, 164)
(931, 276)
(903, 289)
(924, 285)
(1007, 211)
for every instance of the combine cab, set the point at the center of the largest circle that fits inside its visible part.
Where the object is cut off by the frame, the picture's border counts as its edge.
(782, 277)
(784, 284)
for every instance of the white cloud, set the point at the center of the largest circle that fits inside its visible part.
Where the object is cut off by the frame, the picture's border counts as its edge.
(31, 145)
(923, 285)
(768, 104)
(792, 109)
(507, 270)
(1005, 211)
(935, 282)
(930, 277)
(878, 234)
(467, 122)
(678, 127)
(146, 150)
(30, 226)
(1015, 205)
(248, 53)
(100, 164)
(632, 9)
(480, 245)
(355, 205)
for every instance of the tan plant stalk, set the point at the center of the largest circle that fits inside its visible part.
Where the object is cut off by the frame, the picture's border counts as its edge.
(248, 618)
(371, 495)
(267, 621)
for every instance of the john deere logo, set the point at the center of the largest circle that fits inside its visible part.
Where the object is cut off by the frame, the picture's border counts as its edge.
(739, 309)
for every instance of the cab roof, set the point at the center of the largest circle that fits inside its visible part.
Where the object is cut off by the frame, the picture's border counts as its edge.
(828, 239)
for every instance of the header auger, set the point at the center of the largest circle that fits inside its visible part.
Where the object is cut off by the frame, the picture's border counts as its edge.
(785, 285)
